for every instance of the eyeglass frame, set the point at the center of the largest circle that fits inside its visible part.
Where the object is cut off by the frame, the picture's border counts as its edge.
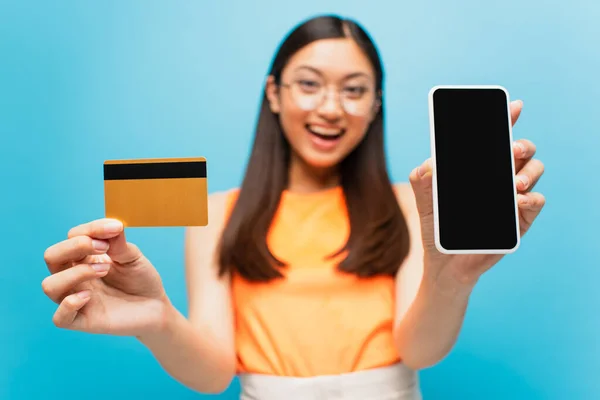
(378, 95)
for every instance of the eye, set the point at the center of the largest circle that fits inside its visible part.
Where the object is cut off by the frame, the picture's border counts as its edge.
(355, 91)
(308, 85)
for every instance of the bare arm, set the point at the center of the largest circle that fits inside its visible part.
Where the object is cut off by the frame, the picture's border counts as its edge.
(429, 314)
(433, 289)
(199, 351)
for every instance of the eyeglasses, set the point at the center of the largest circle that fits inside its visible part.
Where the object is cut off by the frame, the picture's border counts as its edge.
(355, 99)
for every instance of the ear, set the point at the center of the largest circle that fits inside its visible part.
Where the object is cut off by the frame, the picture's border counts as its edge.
(376, 109)
(377, 106)
(272, 92)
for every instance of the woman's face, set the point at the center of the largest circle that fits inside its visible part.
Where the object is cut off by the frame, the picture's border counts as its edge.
(326, 100)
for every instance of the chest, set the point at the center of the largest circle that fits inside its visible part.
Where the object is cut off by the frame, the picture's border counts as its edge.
(308, 234)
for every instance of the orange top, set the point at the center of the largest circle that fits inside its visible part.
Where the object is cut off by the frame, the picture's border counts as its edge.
(316, 321)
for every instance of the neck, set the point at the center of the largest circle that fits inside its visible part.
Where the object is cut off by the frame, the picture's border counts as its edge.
(304, 178)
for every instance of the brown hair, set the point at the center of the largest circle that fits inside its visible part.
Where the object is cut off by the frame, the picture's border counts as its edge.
(378, 240)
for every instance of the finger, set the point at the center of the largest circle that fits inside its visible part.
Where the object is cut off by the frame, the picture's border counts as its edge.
(421, 182)
(104, 228)
(532, 201)
(65, 314)
(515, 110)
(74, 249)
(59, 285)
(120, 251)
(530, 206)
(123, 252)
(420, 179)
(523, 151)
(529, 175)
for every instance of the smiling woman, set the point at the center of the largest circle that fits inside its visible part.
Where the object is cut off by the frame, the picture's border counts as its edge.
(321, 126)
(320, 83)
(311, 280)
(315, 236)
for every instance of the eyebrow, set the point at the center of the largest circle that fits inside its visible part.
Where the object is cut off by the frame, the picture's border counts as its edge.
(349, 76)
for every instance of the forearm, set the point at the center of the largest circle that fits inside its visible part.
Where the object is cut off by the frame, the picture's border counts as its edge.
(190, 355)
(430, 327)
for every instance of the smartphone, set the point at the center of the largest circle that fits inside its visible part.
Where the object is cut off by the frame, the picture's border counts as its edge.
(474, 190)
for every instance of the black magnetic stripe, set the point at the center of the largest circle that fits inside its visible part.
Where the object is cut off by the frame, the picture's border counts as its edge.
(159, 170)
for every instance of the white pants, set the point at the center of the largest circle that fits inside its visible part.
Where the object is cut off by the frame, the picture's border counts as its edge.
(396, 382)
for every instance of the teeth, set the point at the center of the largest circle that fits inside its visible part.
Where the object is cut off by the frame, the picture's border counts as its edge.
(324, 131)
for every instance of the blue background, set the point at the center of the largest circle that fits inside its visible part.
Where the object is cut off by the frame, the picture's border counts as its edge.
(81, 82)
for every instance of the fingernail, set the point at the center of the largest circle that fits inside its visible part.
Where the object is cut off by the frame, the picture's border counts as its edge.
(99, 245)
(523, 200)
(524, 181)
(85, 294)
(113, 227)
(101, 267)
(422, 170)
(521, 147)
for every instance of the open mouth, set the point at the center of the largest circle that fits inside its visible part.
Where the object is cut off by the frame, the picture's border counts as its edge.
(325, 133)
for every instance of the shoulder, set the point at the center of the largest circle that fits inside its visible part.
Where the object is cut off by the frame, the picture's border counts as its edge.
(219, 204)
(408, 206)
(406, 199)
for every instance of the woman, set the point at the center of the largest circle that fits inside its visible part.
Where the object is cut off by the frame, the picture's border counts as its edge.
(318, 278)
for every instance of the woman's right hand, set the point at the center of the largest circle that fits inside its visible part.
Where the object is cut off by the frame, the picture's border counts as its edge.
(102, 283)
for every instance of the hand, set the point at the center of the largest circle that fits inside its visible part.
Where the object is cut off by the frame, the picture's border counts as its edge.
(102, 283)
(467, 268)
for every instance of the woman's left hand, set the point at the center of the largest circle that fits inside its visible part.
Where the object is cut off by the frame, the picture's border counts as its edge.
(467, 268)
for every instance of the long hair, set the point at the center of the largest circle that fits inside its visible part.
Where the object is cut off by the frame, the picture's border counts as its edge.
(378, 240)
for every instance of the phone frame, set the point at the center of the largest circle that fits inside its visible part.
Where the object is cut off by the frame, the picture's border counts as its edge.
(438, 244)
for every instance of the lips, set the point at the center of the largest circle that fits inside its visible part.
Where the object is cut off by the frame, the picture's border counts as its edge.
(325, 133)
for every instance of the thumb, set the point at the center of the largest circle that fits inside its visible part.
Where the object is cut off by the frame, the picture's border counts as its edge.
(123, 252)
(422, 185)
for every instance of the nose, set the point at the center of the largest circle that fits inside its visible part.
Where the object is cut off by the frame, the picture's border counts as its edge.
(330, 108)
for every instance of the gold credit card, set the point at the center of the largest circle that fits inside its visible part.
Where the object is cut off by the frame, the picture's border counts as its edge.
(156, 192)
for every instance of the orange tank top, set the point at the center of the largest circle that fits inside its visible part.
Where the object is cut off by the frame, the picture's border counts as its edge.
(316, 321)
